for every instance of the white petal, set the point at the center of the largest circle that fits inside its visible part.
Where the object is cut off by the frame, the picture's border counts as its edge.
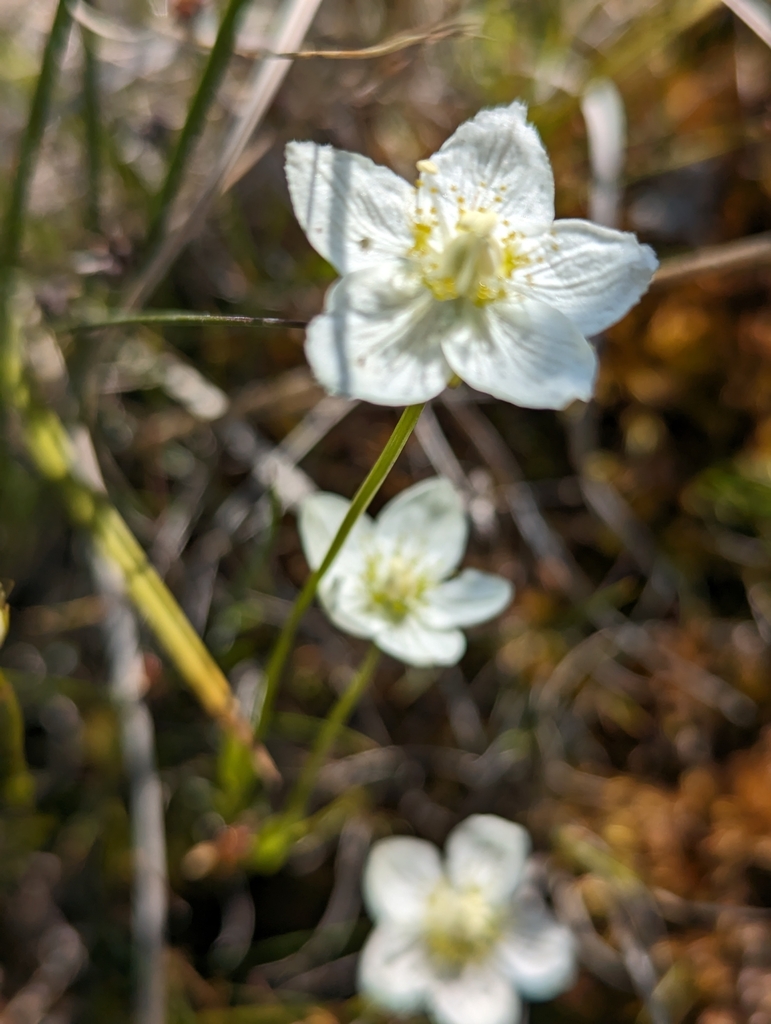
(592, 274)
(415, 644)
(355, 213)
(524, 352)
(488, 853)
(319, 518)
(495, 161)
(347, 602)
(479, 995)
(379, 339)
(400, 875)
(393, 971)
(470, 598)
(426, 521)
(537, 953)
(349, 615)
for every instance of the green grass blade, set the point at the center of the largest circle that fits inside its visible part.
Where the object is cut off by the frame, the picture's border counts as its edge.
(178, 318)
(13, 223)
(91, 123)
(196, 118)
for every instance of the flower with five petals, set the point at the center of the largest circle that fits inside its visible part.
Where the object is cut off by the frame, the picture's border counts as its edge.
(389, 582)
(466, 275)
(466, 940)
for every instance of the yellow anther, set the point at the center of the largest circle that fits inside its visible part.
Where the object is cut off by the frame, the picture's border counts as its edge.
(461, 926)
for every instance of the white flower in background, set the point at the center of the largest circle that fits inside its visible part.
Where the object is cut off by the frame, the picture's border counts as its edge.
(389, 583)
(464, 940)
(465, 274)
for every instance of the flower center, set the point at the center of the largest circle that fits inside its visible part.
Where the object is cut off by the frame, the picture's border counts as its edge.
(394, 584)
(467, 263)
(460, 927)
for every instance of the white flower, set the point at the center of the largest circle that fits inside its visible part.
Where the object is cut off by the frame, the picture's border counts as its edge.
(465, 274)
(465, 940)
(389, 582)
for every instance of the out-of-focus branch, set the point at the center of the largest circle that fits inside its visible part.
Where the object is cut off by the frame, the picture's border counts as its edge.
(52, 451)
(292, 23)
(62, 955)
(755, 15)
(114, 30)
(150, 883)
(743, 254)
(468, 27)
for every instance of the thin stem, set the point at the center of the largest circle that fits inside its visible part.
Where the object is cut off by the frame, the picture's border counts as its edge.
(338, 716)
(359, 505)
(91, 124)
(13, 223)
(17, 787)
(196, 117)
(33, 133)
(149, 899)
(179, 319)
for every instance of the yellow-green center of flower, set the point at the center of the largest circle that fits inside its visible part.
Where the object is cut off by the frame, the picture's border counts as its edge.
(394, 584)
(471, 261)
(461, 926)
(468, 265)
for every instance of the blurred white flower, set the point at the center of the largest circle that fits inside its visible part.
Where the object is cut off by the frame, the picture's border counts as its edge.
(463, 940)
(389, 583)
(465, 274)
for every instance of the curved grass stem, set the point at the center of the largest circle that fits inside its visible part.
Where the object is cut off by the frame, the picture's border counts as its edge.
(359, 505)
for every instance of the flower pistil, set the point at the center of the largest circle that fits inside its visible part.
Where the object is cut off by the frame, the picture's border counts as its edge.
(461, 926)
(471, 261)
(394, 584)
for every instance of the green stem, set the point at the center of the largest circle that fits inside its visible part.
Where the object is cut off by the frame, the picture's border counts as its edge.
(91, 124)
(13, 223)
(359, 505)
(17, 786)
(338, 716)
(33, 133)
(179, 319)
(196, 117)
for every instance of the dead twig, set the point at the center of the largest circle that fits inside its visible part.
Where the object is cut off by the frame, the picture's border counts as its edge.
(150, 884)
(467, 28)
(743, 254)
(755, 15)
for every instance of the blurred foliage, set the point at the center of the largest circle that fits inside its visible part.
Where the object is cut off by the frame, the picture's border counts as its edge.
(620, 709)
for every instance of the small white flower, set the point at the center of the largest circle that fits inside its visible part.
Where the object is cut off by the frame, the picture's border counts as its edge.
(465, 940)
(389, 583)
(465, 274)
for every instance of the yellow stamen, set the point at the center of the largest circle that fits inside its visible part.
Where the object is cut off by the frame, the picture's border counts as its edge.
(461, 926)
